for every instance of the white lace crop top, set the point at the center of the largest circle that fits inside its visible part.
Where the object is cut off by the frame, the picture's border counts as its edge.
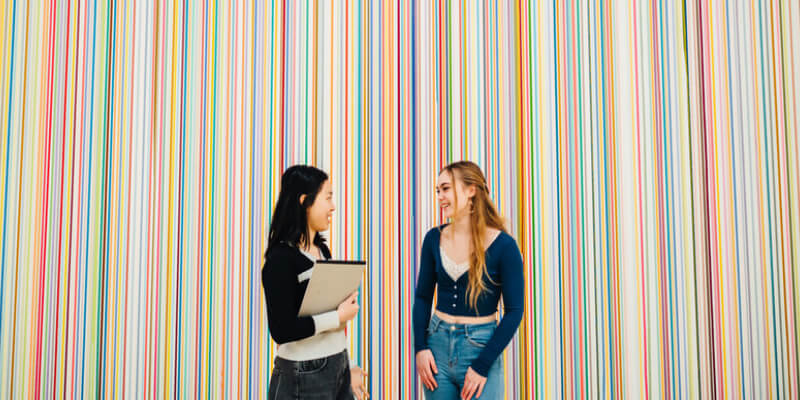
(454, 270)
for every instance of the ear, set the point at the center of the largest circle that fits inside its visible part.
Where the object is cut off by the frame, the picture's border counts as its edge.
(302, 199)
(471, 191)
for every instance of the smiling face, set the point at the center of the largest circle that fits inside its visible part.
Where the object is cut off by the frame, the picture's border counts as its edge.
(453, 197)
(320, 212)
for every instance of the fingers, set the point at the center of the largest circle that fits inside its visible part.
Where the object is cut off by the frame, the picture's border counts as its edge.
(358, 385)
(424, 380)
(427, 378)
(426, 368)
(353, 297)
(480, 389)
(361, 392)
(429, 381)
(422, 377)
(361, 386)
(433, 370)
(468, 391)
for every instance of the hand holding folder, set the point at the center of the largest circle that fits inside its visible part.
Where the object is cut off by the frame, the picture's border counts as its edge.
(331, 283)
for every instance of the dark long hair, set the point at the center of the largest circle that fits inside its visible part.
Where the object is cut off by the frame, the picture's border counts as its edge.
(290, 221)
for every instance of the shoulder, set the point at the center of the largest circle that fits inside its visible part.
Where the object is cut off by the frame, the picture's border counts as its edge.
(281, 253)
(281, 248)
(433, 236)
(491, 234)
(506, 243)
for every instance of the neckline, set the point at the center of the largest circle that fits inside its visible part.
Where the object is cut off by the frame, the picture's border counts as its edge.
(444, 253)
(441, 251)
(495, 240)
(311, 256)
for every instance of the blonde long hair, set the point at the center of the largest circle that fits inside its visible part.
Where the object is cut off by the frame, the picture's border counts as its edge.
(483, 215)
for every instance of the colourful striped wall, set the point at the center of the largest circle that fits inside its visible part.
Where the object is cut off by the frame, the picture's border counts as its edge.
(645, 155)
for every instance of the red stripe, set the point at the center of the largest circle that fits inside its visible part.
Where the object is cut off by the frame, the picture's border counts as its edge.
(346, 130)
(61, 200)
(283, 78)
(440, 68)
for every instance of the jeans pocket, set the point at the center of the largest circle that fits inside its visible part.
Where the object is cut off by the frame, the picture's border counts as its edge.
(321, 380)
(436, 337)
(274, 391)
(479, 337)
(311, 366)
(431, 329)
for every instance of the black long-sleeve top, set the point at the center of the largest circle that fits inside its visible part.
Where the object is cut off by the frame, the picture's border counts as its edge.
(284, 290)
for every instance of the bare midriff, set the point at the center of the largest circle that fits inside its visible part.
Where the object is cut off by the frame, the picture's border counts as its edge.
(462, 320)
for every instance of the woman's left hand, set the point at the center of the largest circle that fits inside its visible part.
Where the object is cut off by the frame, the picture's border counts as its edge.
(357, 376)
(473, 385)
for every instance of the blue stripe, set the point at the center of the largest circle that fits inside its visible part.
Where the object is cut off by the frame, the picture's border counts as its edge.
(735, 197)
(102, 279)
(665, 198)
(141, 242)
(379, 180)
(202, 171)
(89, 194)
(211, 199)
(558, 200)
(370, 176)
(231, 144)
(270, 122)
(5, 179)
(178, 354)
(119, 223)
(571, 206)
(605, 205)
(251, 366)
(414, 172)
(778, 375)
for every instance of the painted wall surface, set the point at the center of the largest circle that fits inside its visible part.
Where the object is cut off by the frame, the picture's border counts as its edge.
(644, 154)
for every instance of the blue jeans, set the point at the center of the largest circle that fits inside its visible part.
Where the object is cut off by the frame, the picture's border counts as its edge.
(454, 347)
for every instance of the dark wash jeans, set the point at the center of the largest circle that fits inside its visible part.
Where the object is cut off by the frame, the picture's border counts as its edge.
(321, 379)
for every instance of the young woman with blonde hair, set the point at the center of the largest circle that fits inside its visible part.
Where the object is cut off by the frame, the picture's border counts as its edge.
(471, 262)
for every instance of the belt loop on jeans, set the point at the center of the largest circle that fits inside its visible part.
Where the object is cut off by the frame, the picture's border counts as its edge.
(436, 321)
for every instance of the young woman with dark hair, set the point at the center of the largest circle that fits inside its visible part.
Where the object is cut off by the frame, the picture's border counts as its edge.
(312, 360)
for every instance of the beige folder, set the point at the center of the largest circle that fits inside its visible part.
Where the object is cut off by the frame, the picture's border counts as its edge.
(331, 283)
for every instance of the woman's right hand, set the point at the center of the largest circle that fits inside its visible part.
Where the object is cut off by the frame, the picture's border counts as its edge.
(426, 367)
(348, 308)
